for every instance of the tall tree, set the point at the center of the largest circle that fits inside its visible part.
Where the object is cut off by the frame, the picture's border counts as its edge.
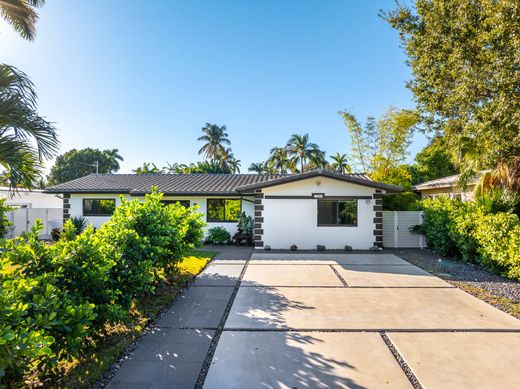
(79, 163)
(301, 149)
(466, 79)
(22, 15)
(216, 139)
(433, 162)
(26, 139)
(340, 163)
(382, 144)
(280, 161)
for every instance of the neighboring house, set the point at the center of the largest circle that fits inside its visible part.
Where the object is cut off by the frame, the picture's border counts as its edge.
(447, 187)
(308, 209)
(35, 198)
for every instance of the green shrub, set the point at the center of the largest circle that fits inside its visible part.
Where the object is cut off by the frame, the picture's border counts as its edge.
(80, 223)
(218, 235)
(245, 230)
(436, 225)
(5, 224)
(53, 297)
(498, 237)
(471, 232)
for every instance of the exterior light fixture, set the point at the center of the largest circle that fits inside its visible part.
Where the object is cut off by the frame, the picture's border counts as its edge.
(318, 195)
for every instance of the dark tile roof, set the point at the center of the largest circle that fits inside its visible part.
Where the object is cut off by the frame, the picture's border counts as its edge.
(173, 184)
(197, 184)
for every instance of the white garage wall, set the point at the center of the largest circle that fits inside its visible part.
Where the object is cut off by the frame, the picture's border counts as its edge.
(294, 221)
(76, 208)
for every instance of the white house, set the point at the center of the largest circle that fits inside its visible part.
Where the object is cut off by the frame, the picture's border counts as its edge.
(34, 198)
(306, 210)
(447, 187)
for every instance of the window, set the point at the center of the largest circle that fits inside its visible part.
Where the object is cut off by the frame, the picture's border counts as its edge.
(223, 210)
(184, 203)
(337, 212)
(98, 207)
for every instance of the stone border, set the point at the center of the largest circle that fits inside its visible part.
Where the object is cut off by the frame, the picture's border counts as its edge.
(66, 207)
(402, 363)
(259, 219)
(378, 219)
(218, 331)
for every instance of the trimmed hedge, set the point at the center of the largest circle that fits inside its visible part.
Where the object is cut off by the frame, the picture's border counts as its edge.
(53, 297)
(465, 230)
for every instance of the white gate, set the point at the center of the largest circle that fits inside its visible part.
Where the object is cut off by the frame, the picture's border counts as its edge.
(396, 225)
(23, 219)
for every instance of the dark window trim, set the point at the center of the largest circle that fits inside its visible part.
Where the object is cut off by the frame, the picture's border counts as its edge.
(208, 220)
(96, 214)
(336, 200)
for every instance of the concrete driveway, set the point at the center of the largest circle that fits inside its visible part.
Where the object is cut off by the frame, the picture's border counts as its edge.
(323, 321)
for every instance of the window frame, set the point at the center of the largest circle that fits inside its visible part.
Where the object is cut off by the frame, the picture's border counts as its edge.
(208, 220)
(97, 214)
(337, 201)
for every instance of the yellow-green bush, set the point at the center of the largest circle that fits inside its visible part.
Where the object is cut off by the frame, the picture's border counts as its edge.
(470, 232)
(53, 297)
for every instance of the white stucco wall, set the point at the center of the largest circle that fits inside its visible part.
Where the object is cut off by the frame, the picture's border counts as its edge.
(294, 221)
(76, 208)
(32, 199)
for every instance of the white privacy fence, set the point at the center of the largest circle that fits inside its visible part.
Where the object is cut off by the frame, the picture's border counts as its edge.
(23, 219)
(396, 225)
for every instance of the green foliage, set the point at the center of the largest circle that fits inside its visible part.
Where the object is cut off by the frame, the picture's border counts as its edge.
(380, 147)
(22, 15)
(26, 139)
(218, 235)
(498, 200)
(5, 224)
(245, 230)
(433, 162)
(53, 296)
(79, 163)
(80, 223)
(403, 201)
(464, 59)
(471, 232)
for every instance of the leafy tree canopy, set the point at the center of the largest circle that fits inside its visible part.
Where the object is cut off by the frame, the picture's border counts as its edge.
(465, 62)
(434, 161)
(380, 146)
(79, 163)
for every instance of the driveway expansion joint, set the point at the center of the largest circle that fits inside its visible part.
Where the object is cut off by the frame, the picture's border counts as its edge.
(402, 363)
(343, 281)
(218, 331)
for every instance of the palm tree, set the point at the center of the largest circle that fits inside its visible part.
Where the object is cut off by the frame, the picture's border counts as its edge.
(301, 149)
(215, 139)
(26, 139)
(280, 161)
(340, 163)
(21, 14)
(257, 167)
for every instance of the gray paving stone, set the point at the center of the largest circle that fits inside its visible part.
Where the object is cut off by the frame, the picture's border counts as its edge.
(200, 307)
(303, 360)
(288, 275)
(327, 259)
(462, 360)
(363, 308)
(165, 357)
(389, 275)
(219, 275)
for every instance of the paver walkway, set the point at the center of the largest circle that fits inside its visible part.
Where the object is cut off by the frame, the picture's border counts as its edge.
(324, 321)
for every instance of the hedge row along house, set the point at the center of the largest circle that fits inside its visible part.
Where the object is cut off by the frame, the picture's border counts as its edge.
(306, 209)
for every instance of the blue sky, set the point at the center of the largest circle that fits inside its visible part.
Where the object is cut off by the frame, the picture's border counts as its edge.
(144, 77)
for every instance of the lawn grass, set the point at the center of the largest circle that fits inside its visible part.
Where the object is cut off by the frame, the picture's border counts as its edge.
(103, 350)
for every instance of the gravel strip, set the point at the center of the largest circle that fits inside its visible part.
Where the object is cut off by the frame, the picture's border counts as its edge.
(450, 269)
(214, 341)
(343, 281)
(402, 363)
